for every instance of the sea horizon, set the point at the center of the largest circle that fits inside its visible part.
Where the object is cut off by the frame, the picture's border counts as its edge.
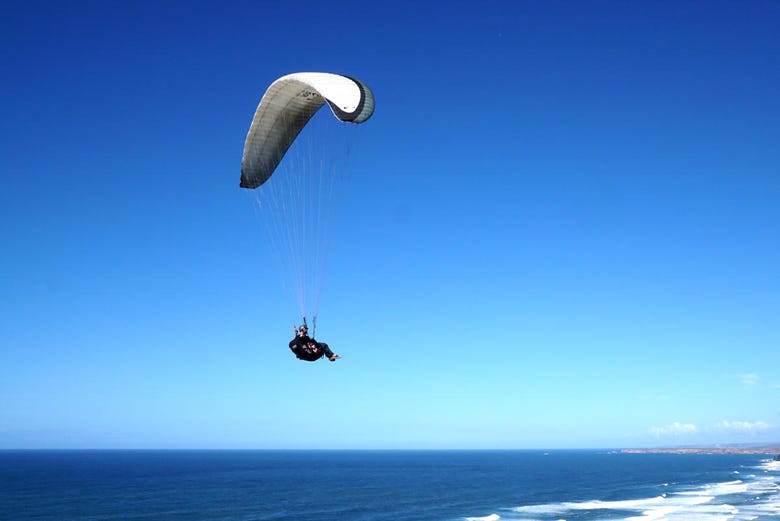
(726, 448)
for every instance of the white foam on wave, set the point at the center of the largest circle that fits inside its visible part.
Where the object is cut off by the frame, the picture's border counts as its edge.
(756, 497)
(699, 504)
(770, 466)
(555, 508)
(765, 489)
(704, 511)
(491, 517)
(658, 507)
(726, 488)
(672, 507)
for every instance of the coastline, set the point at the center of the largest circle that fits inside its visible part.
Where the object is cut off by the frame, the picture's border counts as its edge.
(772, 450)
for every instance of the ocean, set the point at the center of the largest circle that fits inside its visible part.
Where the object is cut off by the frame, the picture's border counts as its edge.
(385, 485)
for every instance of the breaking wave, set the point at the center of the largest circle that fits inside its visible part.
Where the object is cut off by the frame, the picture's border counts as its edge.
(754, 497)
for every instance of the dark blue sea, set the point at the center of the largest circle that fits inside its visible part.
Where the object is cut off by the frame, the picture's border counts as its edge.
(385, 485)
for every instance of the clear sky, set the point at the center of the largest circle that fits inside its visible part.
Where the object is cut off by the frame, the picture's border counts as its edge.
(561, 228)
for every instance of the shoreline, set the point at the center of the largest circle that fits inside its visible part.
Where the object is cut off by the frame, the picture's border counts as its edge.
(770, 450)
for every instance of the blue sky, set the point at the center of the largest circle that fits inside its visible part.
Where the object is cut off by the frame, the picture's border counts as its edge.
(560, 229)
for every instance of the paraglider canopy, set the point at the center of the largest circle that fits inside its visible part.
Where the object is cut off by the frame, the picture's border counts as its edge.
(287, 106)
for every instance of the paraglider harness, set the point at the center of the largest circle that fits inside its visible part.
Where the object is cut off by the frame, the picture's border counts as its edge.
(305, 347)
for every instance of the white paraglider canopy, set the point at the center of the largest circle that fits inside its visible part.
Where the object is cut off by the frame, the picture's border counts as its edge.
(287, 106)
